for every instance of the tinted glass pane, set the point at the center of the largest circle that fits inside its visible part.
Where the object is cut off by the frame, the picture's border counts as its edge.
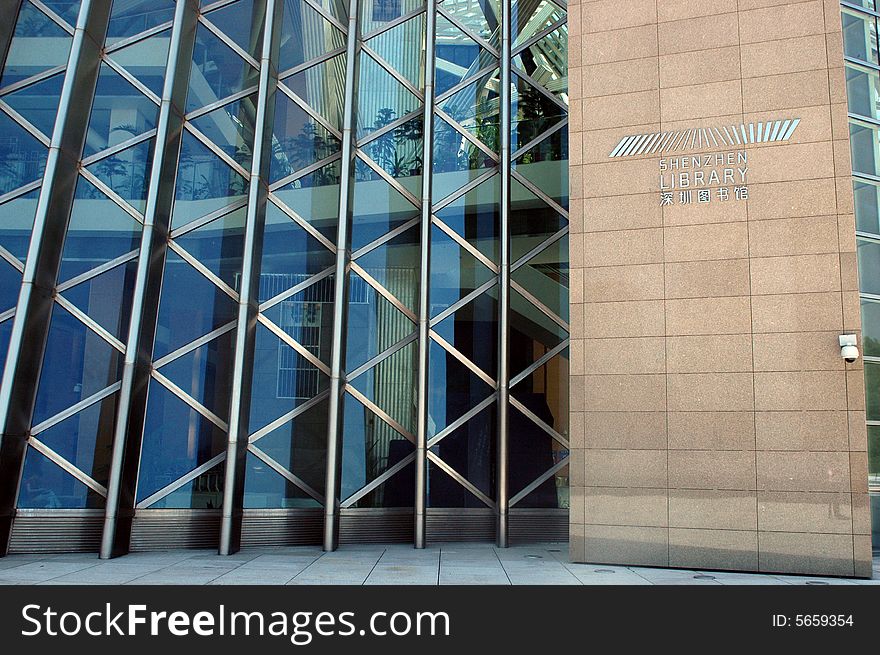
(299, 140)
(874, 455)
(546, 166)
(867, 205)
(475, 216)
(231, 128)
(22, 158)
(374, 324)
(145, 60)
(473, 331)
(399, 153)
(475, 107)
(453, 389)
(545, 276)
(395, 265)
(106, 298)
(458, 56)
(305, 34)
(45, 485)
(375, 13)
(38, 44)
(865, 148)
(544, 392)
(398, 491)
(219, 245)
(402, 47)
(203, 492)
(456, 161)
(859, 36)
(268, 489)
(320, 86)
(390, 385)
(533, 452)
(871, 327)
(217, 71)
(532, 333)
(863, 91)
(533, 113)
(532, 221)
(130, 17)
(869, 265)
(290, 254)
(454, 272)
(38, 103)
(126, 173)
(16, 222)
(381, 98)
(242, 22)
(10, 281)
(315, 198)
(481, 18)
(377, 208)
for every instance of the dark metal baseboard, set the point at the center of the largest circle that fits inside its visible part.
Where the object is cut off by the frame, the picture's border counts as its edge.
(282, 527)
(537, 525)
(56, 531)
(376, 526)
(450, 525)
(160, 529)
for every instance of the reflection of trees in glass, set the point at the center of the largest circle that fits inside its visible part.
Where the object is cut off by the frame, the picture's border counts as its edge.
(206, 176)
(293, 153)
(532, 118)
(398, 151)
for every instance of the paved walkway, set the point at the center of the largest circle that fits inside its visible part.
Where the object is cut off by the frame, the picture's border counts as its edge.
(444, 564)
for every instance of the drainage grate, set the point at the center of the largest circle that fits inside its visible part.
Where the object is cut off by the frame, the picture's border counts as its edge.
(603, 571)
(702, 576)
(816, 582)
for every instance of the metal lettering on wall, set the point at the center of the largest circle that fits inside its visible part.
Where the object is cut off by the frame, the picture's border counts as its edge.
(714, 177)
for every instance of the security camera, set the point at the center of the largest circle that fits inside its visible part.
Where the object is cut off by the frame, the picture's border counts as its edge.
(848, 348)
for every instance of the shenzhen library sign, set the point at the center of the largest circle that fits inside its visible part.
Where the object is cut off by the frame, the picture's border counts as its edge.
(718, 176)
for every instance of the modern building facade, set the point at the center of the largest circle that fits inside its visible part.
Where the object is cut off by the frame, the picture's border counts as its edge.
(309, 272)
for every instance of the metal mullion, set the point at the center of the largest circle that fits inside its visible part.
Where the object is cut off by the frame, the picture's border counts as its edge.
(217, 4)
(131, 79)
(859, 9)
(547, 31)
(556, 236)
(292, 291)
(189, 400)
(461, 480)
(381, 413)
(378, 481)
(74, 409)
(201, 268)
(475, 37)
(30, 325)
(67, 466)
(538, 139)
(326, 14)
(85, 319)
(193, 345)
(483, 72)
(385, 175)
(385, 238)
(33, 79)
(55, 18)
(473, 184)
(449, 311)
(549, 313)
(293, 343)
(286, 418)
(95, 272)
(234, 165)
(381, 357)
(9, 313)
(285, 473)
(303, 223)
(222, 102)
(140, 36)
(529, 488)
(131, 408)
(400, 20)
(11, 259)
(388, 68)
(385, 293)
(385, 129)
(465, 245)
(455, 125)
(467, 363)
(29, 127)
(849, 59)
(176, 233)
(177, 484)
(543, 359)
(112, 195)
(229, 43)
(302, 104)
(20, 191)
(559, 209)
(320, 59)
(504, 281)
(311, 168)
(119, 147)
(529, 414)
(461, 420)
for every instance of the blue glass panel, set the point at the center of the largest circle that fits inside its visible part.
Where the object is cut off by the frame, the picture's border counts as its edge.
(546, 166)
(470, 450)
(205, 183)
(177, 439)
(299, 140)
(395, 265)
(315, 198)
(305, 34)
(119, 112)
(231, 128)
(45, 485)
(264, 488)
(106, 298)
(307, 316)
(203, 492)
(38, 44)
(290, 254)
(532, 221)
(528, 19)
(282, 378)
(475, 107)
(532, 333)
(391, 386)
(402, 47)
(320, 86)
(127, 173)
(545, 392)
(300, 445)
(17, 222)
(456, 161)
(189, 306)
(369, 448)
(99, 231)
(22, 158)
(68, 10)
(458, 56)
(453, 389)
(533, 113)
(454, 271)
(545, 276)
(375, 13)
(399, 153)
(473, 331)
(77, 364)
(205, 373)
(86, 438)
(242, 22)
(10, 283)
(219, 245)
(381, 98)
(377, 207)
(532, 452)
(5, 334)
(398, 491)
(481, 18)
(38, 102)
(217, 71)
(374, 324)
(475, 216)
(869, 265)
(130, 17)
(146, 59)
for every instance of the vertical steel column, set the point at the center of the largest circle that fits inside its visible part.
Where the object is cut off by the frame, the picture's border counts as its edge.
(424, 272)
(504, 280)
(33, 312)
(248, 301)
(148, 280)
(340, 299)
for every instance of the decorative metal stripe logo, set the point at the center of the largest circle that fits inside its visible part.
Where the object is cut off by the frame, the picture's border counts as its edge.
(706, 137)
